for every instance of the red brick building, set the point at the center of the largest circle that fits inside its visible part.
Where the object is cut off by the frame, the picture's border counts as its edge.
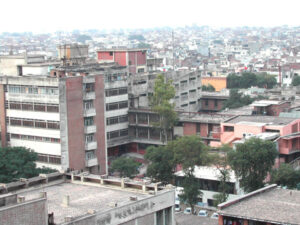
(134, 59)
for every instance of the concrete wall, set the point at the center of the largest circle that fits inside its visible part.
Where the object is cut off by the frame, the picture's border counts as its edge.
(140, 212)
(35, 70)
(218, 83)
(34, 212)
(8, 66)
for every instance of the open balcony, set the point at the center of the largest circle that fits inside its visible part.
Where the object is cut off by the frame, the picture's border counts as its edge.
(91, 145)
(91, 162)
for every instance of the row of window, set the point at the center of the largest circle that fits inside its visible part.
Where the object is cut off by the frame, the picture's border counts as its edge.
(115, 91)
(116, 105)
(34, 138)
(33, 123)
(19, 89)
(117, 133)
(32, 106)
(53, 159)
(116, 119)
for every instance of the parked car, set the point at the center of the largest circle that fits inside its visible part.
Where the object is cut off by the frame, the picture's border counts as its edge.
(188, 211)
(203, 213)
(177, 206)
(215, 216)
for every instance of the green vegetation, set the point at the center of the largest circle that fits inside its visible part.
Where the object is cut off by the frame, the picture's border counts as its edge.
(285, 175)
(252, 161)
(209, 88)
(161, 168)
(237, 100)
(19, 162)
(125, 166)
(296, 80)
(248, 79)
(222, 164)
(160, 103)
(187, 151)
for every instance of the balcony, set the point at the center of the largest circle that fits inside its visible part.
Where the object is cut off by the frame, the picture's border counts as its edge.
(91, 162)
(89, 95)
(89, 112)
(90, 129)
(91, 145)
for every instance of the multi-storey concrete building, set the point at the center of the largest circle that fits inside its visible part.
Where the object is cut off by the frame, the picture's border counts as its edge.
(63, 117)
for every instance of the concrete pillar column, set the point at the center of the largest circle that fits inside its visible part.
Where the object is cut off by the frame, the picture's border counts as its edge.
(221, 220)
(144, 187)
(72, 177)
(122, 183)
(82, 179)
(101, 181)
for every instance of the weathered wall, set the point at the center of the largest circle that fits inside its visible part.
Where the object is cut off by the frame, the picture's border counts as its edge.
(218, 83)
(29, 213)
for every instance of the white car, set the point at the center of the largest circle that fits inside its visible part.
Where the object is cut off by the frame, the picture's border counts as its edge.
(188, 211)
(203, 213)
(177, 206)
(215, 216)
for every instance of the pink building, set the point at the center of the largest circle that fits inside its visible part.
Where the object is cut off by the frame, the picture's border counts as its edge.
(134, 59)
(288, 129)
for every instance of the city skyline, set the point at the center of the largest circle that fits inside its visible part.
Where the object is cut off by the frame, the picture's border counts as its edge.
(67, 16)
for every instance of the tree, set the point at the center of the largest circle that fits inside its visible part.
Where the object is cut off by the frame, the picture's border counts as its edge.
(127, 167)
(233, 81)
(222, 165)
(237, 100)
(162, 165)
(190, 151)
(160, 103)
(296, 80)
(252, 161)
(285, 175)
(265, 81)
(18, 162)
(209, 88)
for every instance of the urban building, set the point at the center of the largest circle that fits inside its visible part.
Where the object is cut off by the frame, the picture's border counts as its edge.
(238, 127)
(212, 101)
(208, 181)
(266, 206)
(83, 198)
(217, 82)
(134, 59)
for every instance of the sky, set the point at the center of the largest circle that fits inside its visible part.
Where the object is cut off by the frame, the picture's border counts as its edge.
(66, 15)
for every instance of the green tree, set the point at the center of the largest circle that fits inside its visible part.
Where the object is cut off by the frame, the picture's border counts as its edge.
(237, 100)
(296, 80)
(285, 175)
(18, 162)
(190, 151)
(265, 81)
(127, 167)
(161, 167)
(248, 79)
(233, 81)
(252, 161)
(222, 164)
(209, 88)
(160, 103)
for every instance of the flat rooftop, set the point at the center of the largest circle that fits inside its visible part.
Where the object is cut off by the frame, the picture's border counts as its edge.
(197, 117)
(268, 120)
(275, 205)
(82, 198)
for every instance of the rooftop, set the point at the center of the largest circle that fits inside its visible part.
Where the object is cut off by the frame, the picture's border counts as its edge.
(197, 117)
(267, 120)
(271, 204)
(122, 49)
(82, 199)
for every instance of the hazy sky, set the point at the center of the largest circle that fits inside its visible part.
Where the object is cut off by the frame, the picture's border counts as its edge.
(52, 15)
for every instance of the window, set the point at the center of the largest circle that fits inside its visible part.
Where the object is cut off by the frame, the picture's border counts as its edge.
(54, 159)
(141, 70)
(123, 132)
(123, 91)
(89, 138)
(40, 107)
(112, 106)
(111, 53)
(28, 123)
(216, 103)
(27, 106)
(90, 155)
(113, 134)
(15, 105)
(112, 120)
(123, 119)
(206, 102)
(32, 90)
(123, 105)
(40, 124)
(53, 125)
(52, 108)
(88, 121)
(89, 87)
(88, 104)
(198, 128)
(228, 128)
